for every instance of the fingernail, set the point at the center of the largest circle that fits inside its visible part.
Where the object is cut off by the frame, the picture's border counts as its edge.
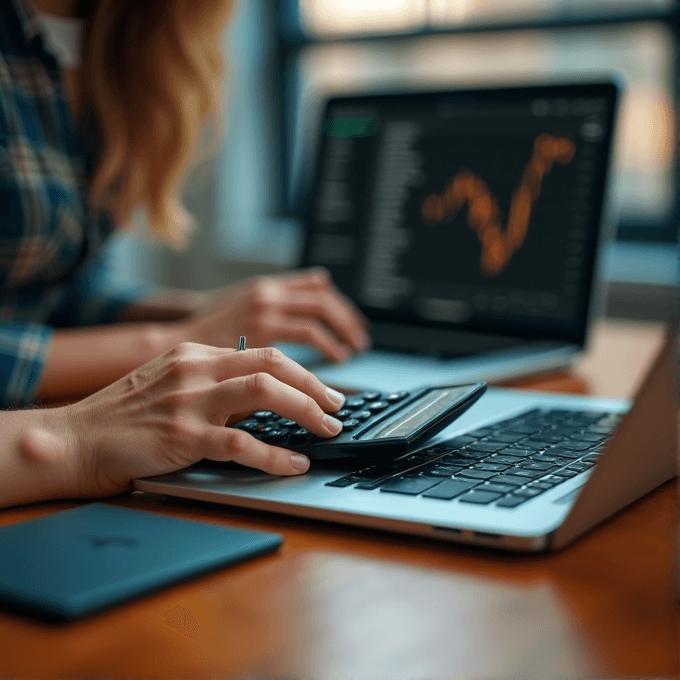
(333, 425)
(335, 397)
(299, 462)
(341, 354)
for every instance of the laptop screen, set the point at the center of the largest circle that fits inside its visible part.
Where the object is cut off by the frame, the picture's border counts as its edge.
(472, 210)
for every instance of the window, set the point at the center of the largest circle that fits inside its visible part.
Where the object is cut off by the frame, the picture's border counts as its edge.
(370, 45)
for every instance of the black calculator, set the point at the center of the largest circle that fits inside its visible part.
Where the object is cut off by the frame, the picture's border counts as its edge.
(375, 424)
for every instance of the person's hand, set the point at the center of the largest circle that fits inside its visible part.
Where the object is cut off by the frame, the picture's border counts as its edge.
(302, 307)
(172, 412)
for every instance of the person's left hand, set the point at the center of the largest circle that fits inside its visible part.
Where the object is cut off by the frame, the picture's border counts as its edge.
(301, 307)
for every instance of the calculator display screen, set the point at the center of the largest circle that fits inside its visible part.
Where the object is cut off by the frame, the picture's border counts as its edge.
(419, 413)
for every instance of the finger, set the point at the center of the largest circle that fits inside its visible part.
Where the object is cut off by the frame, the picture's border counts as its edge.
(340, 316)
(309, 331)
(363, 319)
(320, 278)
(223, 443)
(306, 278)
(311, 292)
(263, 392)
(234, 364)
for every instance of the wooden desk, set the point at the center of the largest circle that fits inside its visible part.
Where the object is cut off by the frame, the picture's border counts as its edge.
(343, 602)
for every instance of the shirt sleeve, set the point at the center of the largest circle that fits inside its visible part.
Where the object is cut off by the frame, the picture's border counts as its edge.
(23, 351)
(98, 296)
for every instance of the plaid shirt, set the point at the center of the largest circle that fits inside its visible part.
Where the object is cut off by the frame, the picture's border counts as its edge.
(53, 269)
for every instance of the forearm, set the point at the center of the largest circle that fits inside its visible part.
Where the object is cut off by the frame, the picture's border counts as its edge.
(37, 457)
(83, 360)
(166, 305)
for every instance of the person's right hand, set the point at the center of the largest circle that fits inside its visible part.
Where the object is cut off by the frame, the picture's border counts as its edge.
(172, 412)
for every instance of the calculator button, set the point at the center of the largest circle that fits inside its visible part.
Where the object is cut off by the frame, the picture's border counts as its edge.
(361, 415)
(395, 396)
(262, 415)
(249, 425)
(276, 436)
(350, 424)
(370, 396)
(286, 422)
(342, 415)
(376, 406)
(354, 402)
(300, 435)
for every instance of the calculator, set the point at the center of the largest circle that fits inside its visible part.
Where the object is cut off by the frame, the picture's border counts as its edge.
(375, 424)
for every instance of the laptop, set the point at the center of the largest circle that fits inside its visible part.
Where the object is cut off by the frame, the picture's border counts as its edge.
(518, 470)
(465, 225)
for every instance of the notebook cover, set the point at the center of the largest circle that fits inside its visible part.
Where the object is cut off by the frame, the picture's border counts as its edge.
(79, 561)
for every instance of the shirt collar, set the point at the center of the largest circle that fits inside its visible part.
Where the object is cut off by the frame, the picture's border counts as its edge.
(28, 19)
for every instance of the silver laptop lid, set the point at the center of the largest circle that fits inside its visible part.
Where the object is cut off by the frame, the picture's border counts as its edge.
(642, 454)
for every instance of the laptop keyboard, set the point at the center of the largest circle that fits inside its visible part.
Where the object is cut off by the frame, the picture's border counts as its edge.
(505, 464)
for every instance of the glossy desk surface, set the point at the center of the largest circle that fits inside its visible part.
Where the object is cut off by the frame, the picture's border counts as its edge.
(341, 602)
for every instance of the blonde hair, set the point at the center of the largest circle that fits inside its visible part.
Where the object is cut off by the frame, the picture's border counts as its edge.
(152, 69)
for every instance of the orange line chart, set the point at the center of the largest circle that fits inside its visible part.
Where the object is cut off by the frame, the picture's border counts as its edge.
(483, 213)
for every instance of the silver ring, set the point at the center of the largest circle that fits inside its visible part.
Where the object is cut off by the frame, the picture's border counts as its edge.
(241, 343)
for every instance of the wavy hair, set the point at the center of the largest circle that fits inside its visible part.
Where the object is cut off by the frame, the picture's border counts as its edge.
(152, 70)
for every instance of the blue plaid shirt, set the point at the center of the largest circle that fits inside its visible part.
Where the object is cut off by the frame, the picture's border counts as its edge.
(53, 269)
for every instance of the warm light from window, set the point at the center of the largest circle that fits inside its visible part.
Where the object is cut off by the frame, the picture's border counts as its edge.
(639, 54)
(324, 18)
(333, 18)
(443, 13)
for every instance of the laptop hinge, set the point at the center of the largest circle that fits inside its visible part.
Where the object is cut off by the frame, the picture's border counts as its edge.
(449, 342)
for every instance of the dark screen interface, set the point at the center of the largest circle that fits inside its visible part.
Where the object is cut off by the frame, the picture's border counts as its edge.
(477, 210)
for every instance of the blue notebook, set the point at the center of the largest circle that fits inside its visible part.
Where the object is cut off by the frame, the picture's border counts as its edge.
(79, 561)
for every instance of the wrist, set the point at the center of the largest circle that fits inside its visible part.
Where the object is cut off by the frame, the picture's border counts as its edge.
(48, 457)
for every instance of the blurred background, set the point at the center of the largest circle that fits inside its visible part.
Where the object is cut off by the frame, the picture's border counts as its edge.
(284, 57)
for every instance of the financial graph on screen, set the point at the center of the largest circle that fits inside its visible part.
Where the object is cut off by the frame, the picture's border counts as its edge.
(484, 215)
(467, 209)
